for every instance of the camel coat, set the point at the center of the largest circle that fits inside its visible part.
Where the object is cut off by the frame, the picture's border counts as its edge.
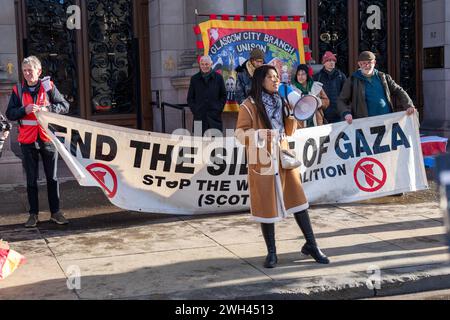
(274, 192)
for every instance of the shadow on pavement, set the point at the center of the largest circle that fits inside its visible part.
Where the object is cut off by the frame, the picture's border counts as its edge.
(207, 279)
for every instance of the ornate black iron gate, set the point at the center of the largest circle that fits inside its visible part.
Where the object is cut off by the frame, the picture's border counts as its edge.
(409, 47)
(373, 30)
(333, 30)
(112, 71)
(389, 28)
(54, 44)
(96, 66)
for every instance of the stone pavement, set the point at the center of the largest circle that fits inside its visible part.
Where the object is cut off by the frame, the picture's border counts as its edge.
(129, 255)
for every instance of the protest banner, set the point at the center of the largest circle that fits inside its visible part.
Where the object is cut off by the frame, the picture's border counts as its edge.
(180, 174)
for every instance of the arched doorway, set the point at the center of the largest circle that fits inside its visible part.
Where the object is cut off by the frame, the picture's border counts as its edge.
(390, 28)
(100, 62)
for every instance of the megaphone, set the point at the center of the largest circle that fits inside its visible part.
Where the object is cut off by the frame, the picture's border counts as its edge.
(304, 107)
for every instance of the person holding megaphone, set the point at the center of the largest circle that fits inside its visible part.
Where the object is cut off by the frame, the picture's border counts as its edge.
(304, 85)
(264, 121)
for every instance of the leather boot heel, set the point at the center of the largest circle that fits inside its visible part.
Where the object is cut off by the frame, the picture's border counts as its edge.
(310, 248)
(304, 252)
(316, 253)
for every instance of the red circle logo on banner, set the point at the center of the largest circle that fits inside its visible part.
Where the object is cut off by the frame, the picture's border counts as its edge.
(105, 176)
(370, 175)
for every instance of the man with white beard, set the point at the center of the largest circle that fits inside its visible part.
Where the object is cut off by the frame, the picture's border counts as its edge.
(368, 92)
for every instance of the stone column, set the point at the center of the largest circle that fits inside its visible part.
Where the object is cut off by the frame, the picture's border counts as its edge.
(220, 6)
(11, 171)
(231, 7)
(436, 82)
(254, 7)
(285, 7)
(172, 40)
(8, 41)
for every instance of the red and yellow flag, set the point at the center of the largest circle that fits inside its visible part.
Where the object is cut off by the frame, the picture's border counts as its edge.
(229, 44)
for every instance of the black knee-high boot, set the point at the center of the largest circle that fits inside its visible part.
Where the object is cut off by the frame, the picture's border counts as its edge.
(310, 247)
(268, 231)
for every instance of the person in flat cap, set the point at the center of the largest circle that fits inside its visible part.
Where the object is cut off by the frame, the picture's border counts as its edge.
(333, 80)
(368, 92)
(245, 74)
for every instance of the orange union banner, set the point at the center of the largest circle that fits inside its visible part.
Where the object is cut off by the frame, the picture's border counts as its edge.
(229, 44)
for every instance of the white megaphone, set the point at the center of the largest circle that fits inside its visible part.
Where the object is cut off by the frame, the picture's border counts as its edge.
(304, 107)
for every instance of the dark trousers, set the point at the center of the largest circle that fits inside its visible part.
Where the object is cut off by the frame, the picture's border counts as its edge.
(208, 122)
(31, 164)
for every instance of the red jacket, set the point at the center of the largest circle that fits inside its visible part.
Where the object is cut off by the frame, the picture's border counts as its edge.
(29, 128)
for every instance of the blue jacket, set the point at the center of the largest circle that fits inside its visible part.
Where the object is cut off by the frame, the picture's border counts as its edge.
(352, 99)
(243, 83)
(376, 100)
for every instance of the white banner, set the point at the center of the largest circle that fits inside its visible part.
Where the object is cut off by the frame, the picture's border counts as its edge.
(180, 174)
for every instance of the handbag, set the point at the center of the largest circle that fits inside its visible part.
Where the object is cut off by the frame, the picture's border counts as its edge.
(289, 159)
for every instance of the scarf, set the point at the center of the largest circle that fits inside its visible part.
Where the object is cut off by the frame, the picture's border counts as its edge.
(304, 90)
(274, 109)
(250, 68)
(206, 76)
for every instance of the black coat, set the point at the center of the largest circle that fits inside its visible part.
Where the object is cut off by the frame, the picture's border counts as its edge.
(206, 99)
(332, 85)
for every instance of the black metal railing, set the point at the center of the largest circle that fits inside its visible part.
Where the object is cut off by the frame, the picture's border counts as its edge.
(162, 106)
(181, 107)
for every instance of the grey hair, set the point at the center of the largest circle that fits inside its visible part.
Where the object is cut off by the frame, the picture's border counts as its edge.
(206, 59)
(32, 61)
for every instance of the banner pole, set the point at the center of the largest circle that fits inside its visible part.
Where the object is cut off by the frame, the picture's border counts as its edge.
(245, 15)
(199, 52)
(197, 14)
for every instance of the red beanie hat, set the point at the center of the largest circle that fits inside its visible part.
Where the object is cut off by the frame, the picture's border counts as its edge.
(328, 56)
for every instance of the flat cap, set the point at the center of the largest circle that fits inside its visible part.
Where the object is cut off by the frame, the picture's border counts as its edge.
(366, 56)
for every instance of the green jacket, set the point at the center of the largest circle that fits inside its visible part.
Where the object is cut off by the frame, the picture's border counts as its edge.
(352, 99)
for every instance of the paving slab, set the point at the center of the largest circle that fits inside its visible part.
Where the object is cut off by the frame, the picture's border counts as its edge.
(345, 258)
(240, 229)
(171, 235)
(129, 255)
(27, 242)
(161, 274)
(39, 278)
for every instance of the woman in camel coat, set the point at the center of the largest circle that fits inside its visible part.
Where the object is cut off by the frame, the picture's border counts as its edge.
(274, 192)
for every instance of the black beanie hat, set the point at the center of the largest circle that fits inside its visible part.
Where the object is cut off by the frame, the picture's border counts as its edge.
(305, 68)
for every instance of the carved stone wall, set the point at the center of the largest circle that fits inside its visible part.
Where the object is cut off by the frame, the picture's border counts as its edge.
(11, 171)
(436, 82)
